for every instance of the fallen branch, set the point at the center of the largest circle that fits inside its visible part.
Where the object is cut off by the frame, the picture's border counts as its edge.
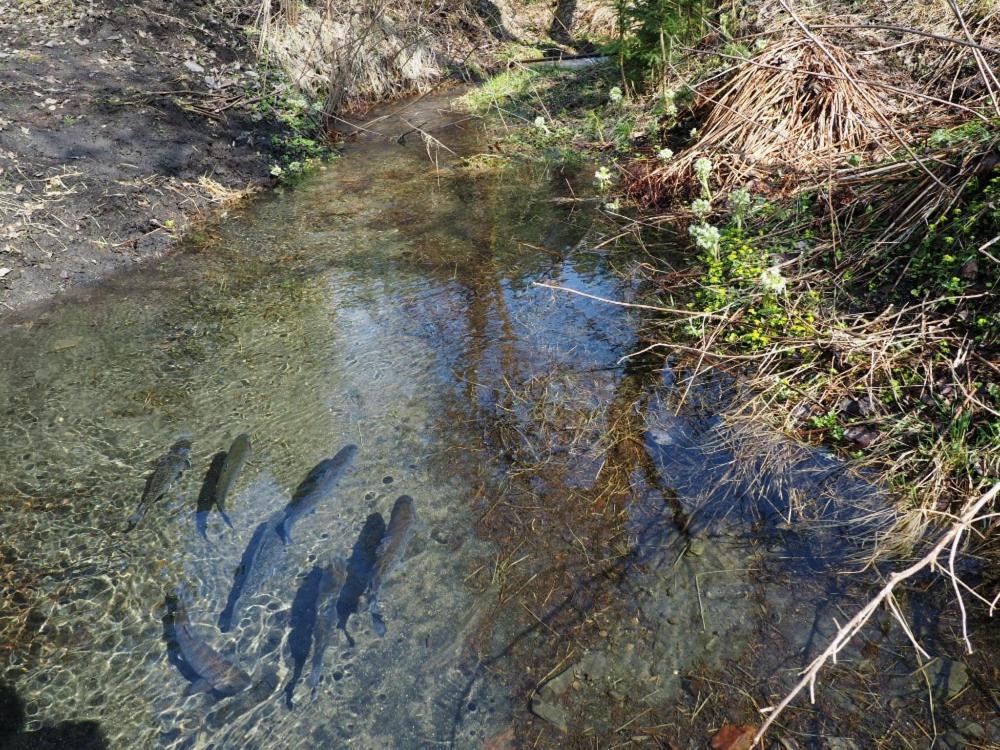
(846, 632)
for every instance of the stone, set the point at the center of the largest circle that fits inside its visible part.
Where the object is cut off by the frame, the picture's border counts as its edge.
(948, 678)
(551, 712)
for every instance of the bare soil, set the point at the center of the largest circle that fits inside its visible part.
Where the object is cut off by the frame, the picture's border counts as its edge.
(120, 124)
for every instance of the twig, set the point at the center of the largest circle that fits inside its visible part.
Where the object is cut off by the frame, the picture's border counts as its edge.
(846, 632)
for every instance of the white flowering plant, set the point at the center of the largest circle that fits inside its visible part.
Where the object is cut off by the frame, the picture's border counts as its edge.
(603, 178)
(701, 208)
(706, 237)
(739, 204)
(664, 154)
(772, 281)
(703, 170)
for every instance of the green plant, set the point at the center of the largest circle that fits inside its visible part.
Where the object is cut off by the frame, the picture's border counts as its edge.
(648, 30)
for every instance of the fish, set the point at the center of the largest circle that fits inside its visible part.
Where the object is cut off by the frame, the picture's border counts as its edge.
(392, 548)
(207, 496)
(360, 568)
(331, 583)
(314, 488)
(261, 558)
(239, 453)
(302, 626)
(208, 671)
(169, 468)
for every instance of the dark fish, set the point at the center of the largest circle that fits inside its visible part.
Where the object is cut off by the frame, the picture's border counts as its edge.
(239, 453)
(168, 470)
(330, 585)
(315, 487)
(302, 625)
(261, 559)
(392, 548)
(207, 498)
(360, 569)
(206, 669)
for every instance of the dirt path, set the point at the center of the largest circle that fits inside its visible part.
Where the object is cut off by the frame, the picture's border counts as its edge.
(119, 123)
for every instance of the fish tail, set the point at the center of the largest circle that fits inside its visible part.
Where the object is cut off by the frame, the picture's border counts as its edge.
(225, 517)
(378, 622)
(226, 620)
(350, 641)
(135, 519)
(201, 523)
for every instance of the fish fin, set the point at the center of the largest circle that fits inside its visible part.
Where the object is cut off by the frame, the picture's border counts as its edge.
(133, 521)
(201, 523)
(226, 518)
(201, 685)
(285, 532)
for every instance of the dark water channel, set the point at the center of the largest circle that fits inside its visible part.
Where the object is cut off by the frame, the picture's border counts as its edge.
(597, 562)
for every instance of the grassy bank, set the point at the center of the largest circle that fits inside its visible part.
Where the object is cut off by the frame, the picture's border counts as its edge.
(842, 224)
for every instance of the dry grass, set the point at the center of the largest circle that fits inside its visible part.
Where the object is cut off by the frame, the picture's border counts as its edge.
(790, 108)
(955, 72)
(904, 197)
(351, 53)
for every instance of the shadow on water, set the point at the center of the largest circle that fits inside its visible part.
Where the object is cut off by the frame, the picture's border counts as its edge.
(67, 735)
(302, 625)
(207, 495)
(261, 559)
(360, 568)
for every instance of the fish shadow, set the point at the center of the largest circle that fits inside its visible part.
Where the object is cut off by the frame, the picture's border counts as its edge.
(360, 568)
(250, 558)
(79, 735)
(207, 495)
(302, 625)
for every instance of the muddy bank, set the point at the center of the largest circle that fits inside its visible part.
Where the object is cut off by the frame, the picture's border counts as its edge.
(120, 123)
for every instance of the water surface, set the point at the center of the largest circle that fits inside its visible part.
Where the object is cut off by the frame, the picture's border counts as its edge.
(598, 559)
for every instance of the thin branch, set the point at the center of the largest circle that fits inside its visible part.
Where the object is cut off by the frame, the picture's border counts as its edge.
(846, 632)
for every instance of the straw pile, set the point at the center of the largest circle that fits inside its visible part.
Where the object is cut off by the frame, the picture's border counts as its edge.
(799, 106)
(950, 70)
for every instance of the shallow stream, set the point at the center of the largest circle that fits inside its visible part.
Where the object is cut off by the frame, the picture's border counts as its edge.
(594, 554)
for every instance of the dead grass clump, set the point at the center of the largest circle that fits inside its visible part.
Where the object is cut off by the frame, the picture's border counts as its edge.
(352, 53)
(798, 106)
(595, 20)
(943, 57)
(903, 198)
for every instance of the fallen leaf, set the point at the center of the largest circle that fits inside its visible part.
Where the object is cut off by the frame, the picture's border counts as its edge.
(734, 737)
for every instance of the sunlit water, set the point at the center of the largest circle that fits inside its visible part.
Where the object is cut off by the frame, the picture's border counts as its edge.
(365, 306)
(388, 302)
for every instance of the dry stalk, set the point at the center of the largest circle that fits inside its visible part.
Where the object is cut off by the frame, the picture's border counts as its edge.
(796, 106)
(948, 541)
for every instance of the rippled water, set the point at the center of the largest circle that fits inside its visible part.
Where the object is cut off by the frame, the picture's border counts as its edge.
(377, 303)
(569, 505)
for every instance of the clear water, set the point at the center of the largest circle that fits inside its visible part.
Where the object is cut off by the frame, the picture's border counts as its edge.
(378, 303)
(570, 506)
